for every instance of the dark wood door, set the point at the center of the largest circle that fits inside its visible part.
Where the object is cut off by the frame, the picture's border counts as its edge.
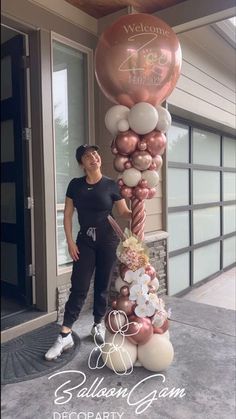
(15, 216)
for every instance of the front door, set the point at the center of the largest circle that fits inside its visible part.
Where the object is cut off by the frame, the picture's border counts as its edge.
(15, 207)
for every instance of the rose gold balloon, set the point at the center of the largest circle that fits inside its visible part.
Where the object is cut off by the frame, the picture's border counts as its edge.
(119, 163)
(124, 304)
(141, 160)
(114, 150)
(158, 161)
(120, 182)
(138, 58)
(141, 193)
(143, 183)
(150, 270)
(145, 331)
(156, 142)
(152, 166)
(123, 269)
(142, 145)
(128, 165)
(114, 304)
(161, 329)
(138, 217)
(124, 291)
(126, 192)
(126, 142)
(151, 193)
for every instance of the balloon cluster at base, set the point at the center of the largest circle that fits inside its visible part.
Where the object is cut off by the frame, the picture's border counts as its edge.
(138, 322)
(138, 144)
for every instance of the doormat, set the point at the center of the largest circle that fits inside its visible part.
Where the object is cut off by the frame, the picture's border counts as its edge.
(23, 359)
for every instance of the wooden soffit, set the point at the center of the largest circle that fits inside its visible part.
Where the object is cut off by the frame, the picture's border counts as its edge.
(100, 8)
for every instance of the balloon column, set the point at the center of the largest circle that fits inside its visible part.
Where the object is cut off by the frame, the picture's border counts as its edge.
(137, 64)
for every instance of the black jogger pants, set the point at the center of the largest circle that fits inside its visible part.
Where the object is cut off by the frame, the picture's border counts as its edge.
(97, 249)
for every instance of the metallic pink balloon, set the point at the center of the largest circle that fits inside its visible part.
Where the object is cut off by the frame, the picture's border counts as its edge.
(152, 166)
(141, 193)
(142, 145)
(124, 304)
(114, 150)
(150, 271)
(143, 183)
(124, 291)
(138, 58)
(114, 304)
(128, 165)
(119, 163)
(145, 332)
(151, 193)
(162, 329)
(120, 182)
(158, 161)
(126, 192)
(156, 142)
(141, 160)
(126, 142)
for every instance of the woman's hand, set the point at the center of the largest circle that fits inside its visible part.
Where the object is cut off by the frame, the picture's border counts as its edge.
(73, 250)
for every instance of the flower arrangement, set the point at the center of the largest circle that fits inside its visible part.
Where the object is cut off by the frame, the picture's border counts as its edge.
(132, 252)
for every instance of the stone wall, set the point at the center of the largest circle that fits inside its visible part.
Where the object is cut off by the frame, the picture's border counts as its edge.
(157, 244)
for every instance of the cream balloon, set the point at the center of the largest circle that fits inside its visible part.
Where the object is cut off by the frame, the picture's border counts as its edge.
(119, 354)
(166, 335)
(143, 118)
(157, 354)
(113, 116)
(123, 125)
(131, 177)
(119, 283)
(164, 119)
(152, 178)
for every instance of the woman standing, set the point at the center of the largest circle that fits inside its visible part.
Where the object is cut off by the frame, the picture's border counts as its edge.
(93, 195)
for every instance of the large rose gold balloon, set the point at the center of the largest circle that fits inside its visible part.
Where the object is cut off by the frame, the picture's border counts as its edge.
(126, 142)
(141, 160)
(156, 142)
(124, 304)
(138, 59)
(145, 331)
(119, 163)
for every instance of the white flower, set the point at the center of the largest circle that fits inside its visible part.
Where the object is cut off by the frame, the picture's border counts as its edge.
(158, 320)
(154, 300)
(144, 310)
(132, 276)
(143, 279)
(137, 291)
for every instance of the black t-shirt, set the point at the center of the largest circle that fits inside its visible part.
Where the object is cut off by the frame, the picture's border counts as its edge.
(93, 202)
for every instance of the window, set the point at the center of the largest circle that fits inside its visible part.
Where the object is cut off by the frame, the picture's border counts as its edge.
(71, 126)
(201, 204)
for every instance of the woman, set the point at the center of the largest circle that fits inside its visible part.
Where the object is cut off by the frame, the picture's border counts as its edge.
(93, 195)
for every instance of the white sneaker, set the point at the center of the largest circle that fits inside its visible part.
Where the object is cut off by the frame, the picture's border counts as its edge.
(98, 333)
(59, 346)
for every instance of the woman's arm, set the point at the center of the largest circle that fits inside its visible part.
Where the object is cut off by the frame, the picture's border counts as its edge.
(68, 214)
(122, 209)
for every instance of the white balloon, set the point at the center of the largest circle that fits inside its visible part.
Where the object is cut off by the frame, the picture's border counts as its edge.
(152, 178)
(113, 116)
(119, 283)
(143, 118)
(166, 335)
(157, 354)
(131, 177)
(122, 353)
(164, 120)
(155, 283)
(123, 125)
